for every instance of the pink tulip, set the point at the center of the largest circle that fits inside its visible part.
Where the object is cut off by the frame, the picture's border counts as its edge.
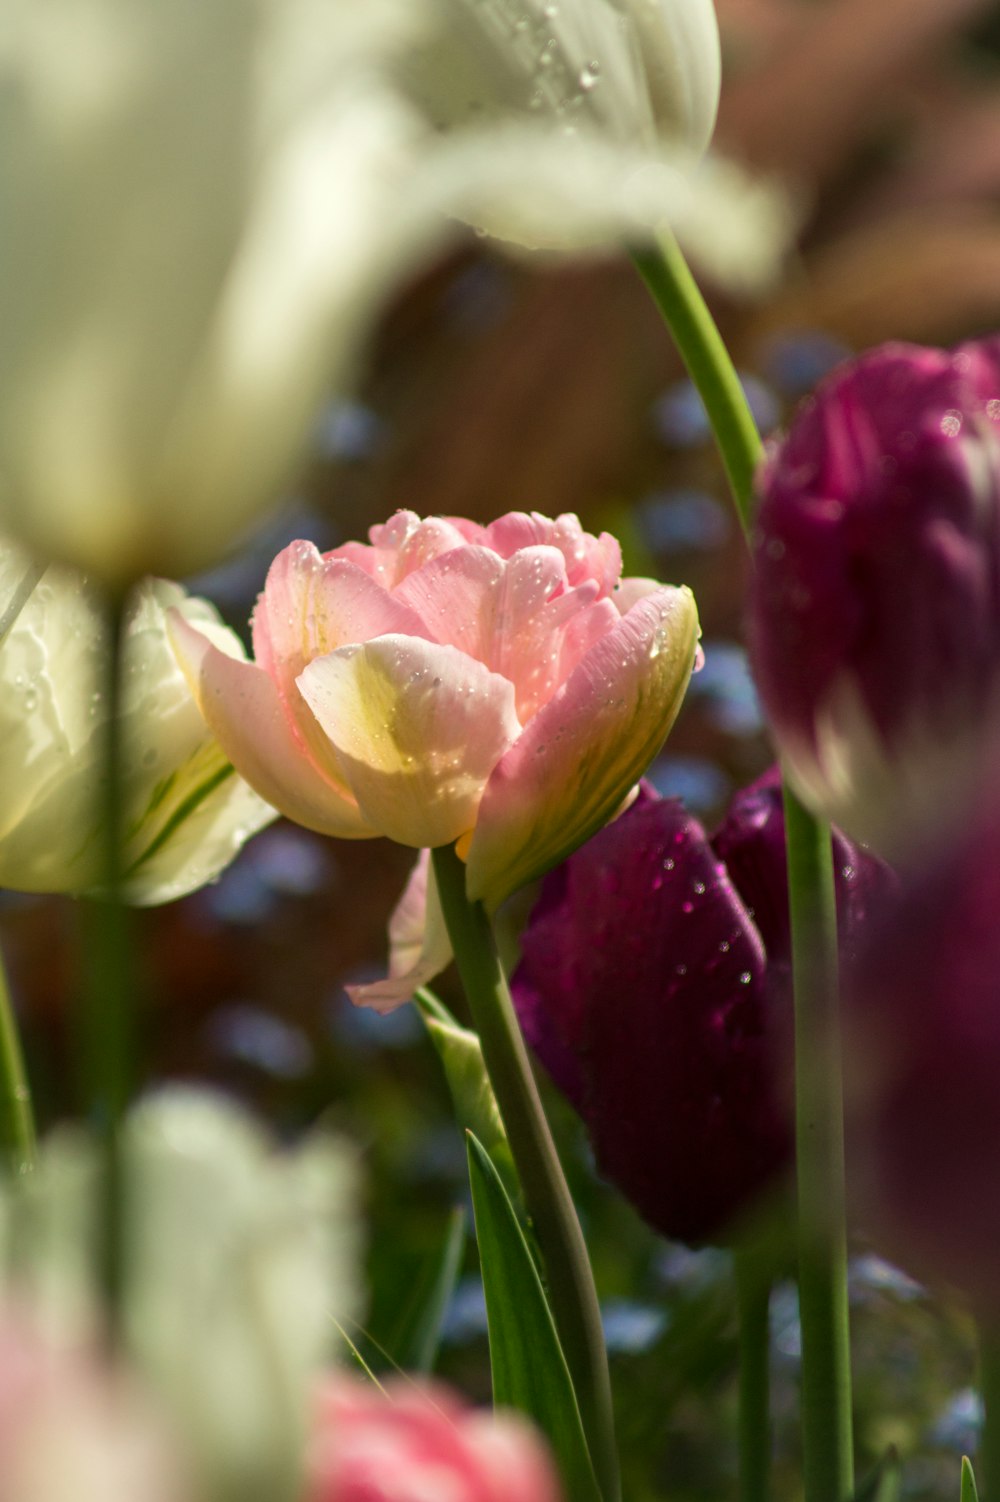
(500, 687)
(411, 1444)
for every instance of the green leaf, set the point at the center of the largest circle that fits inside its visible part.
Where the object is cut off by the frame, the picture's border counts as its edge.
(882, 1484)
(527, 1361)
(969, 1492)
(417, 1339)
(472, 1094)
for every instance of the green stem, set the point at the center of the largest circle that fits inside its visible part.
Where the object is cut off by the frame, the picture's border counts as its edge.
(109, 993)
(753, 1297)
(700, 346)
(570, 1280)
(819, 1144)
(826, 1378)
(17, 1121)
(988, 1455)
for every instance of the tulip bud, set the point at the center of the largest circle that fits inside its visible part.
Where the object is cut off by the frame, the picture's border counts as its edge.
(187, 812)
(655, 987)
(875, 601)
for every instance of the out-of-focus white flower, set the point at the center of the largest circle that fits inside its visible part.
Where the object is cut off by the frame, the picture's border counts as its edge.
(187, 812)
(242, 1262)
(195, 200)
(568, 125)
(572, 125)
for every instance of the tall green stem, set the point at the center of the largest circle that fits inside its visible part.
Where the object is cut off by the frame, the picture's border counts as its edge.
(547, 1197)
(700, 346)
(753, 1297)
(109, 992)
(826, 1376)
(17, 1121)
(988, 1456)
(819, 1145)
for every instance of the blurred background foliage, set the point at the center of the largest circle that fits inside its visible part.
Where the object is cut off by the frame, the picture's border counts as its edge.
(496, 384)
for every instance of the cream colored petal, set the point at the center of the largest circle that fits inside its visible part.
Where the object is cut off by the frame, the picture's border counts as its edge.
(417, 727)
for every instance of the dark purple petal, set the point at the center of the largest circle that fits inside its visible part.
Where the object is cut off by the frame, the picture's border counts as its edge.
(751, 843)
(643, 987)
(922, 1067)
(878, 550)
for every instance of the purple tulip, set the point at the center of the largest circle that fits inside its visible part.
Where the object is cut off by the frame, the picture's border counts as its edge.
(875, 605)
(922, 1071)
(654, 986)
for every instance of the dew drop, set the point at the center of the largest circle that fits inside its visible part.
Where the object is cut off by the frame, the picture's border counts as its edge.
(698, 888)
(590, 76)
(669, 863)
(745, 978)
(951, 423)
(680, 970)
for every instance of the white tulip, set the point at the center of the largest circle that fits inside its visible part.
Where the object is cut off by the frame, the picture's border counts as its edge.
(243, 1263)
(193, 198)
(187, 813)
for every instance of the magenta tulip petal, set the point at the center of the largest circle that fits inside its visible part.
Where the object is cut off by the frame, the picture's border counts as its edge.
(644, 988)
(581, 753)
(874, 620)
(242, 707)
(417, 727)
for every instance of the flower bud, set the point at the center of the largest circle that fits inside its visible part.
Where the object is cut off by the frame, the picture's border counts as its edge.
(655, 987)
(875, 602)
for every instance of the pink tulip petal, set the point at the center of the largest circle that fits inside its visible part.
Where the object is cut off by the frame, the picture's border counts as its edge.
(400, 545)
(512, 615)
(587, 557)
(419, 947)
(310, 606)
(575, 761)
(417, 727)
(244, 711)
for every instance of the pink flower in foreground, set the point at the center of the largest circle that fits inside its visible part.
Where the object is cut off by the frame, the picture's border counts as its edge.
(413, 1444)
(497, 686)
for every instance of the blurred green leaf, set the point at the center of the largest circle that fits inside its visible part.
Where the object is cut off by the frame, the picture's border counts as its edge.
(969, 1492)
(527, 1362)
(417, 1339)
(471, 1092)
(882, 1484)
